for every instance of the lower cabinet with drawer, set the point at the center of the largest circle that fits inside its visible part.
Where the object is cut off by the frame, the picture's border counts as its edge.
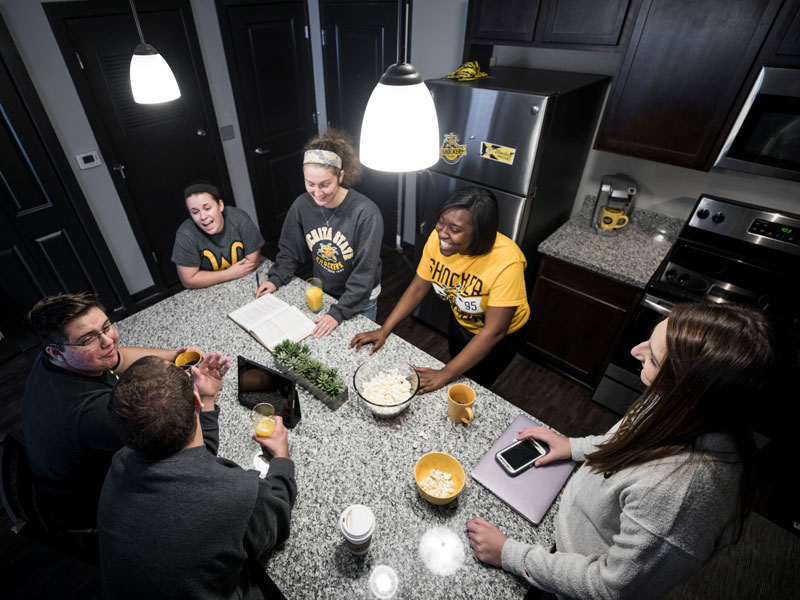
(577, 317)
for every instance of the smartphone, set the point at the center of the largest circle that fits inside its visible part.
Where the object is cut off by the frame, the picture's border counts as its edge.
(258, 383)
(520, 456)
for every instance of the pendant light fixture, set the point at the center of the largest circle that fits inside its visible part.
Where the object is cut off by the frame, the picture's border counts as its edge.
(400, 130)
(152, 81)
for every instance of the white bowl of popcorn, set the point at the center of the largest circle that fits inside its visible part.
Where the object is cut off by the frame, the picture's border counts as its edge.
(386, 387)
(440, 477)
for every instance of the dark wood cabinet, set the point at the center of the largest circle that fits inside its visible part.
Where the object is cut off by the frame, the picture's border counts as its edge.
(509, 20)
(577, 317)
(584, 24)
(682, 74)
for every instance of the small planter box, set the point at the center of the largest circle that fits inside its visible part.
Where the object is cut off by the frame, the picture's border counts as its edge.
(332, 403)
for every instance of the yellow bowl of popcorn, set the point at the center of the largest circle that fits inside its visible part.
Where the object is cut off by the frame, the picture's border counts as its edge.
(440, 477)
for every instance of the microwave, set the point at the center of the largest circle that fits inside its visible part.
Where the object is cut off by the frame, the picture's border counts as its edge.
(765, 138)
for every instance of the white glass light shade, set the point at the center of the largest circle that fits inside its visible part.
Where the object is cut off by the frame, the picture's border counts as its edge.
(152, 80)
(400, 131)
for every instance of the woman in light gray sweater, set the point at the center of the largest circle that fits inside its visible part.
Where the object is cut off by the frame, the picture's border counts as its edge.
(669, 484)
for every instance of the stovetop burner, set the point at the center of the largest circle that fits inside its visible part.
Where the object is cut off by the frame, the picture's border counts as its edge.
(700, 261)
(727, 259)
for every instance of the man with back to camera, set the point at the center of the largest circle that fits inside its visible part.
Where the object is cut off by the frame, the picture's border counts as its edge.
(69, 436)
(175, 521)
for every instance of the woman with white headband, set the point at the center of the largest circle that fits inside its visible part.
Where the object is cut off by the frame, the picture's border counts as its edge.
(341, 228)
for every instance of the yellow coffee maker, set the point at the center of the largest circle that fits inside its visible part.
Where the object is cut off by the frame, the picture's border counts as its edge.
(614, 205)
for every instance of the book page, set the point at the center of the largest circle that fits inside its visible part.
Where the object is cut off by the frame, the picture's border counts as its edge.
(291, 324)
(257, 311)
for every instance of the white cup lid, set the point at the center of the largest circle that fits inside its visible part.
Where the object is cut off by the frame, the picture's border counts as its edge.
(357, 521)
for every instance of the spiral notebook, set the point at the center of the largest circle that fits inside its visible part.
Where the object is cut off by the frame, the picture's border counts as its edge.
(530, 493)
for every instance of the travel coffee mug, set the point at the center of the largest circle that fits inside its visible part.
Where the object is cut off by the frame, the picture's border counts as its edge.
(357, 525)
(460, 401)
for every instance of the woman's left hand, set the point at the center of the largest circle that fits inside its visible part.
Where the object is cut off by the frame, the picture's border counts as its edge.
(324, 326)
(431, 379)
(486, 541)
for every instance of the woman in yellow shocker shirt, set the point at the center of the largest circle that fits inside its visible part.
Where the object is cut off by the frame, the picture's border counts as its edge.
(480, 273)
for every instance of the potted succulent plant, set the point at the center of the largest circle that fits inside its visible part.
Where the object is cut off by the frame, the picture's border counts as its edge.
(322, 381)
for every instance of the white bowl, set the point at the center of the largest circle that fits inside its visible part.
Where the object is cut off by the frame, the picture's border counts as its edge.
(388, 407)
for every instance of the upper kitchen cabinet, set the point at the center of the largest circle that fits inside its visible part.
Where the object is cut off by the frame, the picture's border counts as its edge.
(580, 24)
(782, 48)
(683, 74)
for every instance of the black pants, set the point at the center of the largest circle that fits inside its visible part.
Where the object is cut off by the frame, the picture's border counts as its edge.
(494, 363)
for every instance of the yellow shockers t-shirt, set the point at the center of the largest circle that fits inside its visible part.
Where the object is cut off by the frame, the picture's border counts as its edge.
(471, 283)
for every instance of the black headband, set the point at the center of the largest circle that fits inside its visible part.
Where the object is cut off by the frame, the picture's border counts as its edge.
(200, 188)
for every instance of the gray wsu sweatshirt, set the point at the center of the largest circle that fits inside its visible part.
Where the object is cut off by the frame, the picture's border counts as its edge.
(345, 251)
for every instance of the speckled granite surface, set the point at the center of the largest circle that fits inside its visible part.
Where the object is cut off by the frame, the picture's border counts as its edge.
(632, 256)
(348, 456)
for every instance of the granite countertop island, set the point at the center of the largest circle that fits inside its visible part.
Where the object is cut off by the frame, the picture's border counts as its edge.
(631, 256)
(348, 456)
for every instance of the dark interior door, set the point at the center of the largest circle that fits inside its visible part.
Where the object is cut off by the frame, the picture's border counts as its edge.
(360, 42)
(269, 61)
(153, 151)
(49, 242)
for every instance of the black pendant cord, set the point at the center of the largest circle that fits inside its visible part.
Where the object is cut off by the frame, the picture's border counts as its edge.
(136, 20)
(402, 31)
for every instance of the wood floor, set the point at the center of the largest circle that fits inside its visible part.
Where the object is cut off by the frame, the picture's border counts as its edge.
(29, 570)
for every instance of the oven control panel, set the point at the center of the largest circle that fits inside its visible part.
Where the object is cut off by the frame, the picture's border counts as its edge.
(776, 231)
(748, 223)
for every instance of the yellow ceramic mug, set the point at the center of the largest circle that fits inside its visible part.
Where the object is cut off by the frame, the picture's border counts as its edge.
(460, 401)
(612, 218)
(189, 358)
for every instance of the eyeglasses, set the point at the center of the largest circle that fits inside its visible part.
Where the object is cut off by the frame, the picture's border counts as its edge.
(91, 339)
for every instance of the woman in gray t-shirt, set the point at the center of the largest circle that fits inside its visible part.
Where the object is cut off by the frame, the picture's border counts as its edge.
(216, 243)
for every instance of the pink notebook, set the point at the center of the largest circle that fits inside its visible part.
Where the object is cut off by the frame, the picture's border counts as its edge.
(530, 493)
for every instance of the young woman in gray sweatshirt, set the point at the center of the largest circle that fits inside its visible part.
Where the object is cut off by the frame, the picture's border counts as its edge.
(339, 227)
(668, 486)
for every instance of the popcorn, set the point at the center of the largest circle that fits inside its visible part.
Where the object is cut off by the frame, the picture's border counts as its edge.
(387, 388)
(438, 484)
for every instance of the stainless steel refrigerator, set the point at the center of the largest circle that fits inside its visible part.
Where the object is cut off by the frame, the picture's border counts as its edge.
(524, 134)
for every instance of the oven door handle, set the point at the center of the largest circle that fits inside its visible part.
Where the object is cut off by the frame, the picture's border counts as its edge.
(658, 305)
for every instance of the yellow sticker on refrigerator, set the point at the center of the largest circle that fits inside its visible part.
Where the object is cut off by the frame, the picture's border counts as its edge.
(451, 151)
(498, 153)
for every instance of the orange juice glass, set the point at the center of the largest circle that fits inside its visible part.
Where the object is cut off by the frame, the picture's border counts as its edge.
(263, 417)
(314, 294)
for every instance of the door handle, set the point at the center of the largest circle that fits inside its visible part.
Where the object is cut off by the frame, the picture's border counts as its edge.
(201, 132)
(119, 169)
(262, 151)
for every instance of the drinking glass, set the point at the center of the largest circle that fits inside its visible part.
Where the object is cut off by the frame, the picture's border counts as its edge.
(314, 294)
(263, 417)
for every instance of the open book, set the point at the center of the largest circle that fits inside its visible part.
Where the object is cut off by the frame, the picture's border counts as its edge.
(270, 320)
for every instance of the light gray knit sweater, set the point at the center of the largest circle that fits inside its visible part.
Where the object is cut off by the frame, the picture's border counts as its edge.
(639, 532)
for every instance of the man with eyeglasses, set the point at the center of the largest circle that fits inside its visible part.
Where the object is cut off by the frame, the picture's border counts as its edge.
(69, 435)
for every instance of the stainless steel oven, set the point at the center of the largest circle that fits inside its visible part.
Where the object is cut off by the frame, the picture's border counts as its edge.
(728, 251)
(765, 138)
